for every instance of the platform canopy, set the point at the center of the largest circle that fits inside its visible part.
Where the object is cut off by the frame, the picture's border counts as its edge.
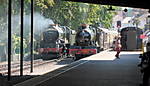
(125, 3)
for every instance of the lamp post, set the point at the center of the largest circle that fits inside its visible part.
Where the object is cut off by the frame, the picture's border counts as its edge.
(148, 21)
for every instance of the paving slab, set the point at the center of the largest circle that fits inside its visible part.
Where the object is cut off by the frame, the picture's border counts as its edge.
(102, 69)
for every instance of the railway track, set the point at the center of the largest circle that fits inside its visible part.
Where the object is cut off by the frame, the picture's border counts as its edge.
(15, 67)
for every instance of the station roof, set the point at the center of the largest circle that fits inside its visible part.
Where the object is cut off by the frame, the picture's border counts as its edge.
(124, 3)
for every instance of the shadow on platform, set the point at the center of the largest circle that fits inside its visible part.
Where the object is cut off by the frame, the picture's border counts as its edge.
(14, 79)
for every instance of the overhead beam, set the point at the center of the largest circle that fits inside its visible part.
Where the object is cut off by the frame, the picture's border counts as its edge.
(124, 3)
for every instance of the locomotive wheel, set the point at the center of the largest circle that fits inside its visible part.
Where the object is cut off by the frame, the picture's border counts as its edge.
(98, 49)
(49, 56)
(77, 57)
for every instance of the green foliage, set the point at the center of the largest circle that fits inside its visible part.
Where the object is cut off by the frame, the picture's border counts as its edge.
(66, 13)
(69, 13)
(73, 13)
(44, 4)
(16, 43)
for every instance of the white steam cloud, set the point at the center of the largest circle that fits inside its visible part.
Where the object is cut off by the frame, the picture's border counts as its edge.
(39, 23)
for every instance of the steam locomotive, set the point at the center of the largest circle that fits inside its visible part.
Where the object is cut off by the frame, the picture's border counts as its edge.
(52, 42)
(84, 42)
(61, 41)
(90, 40)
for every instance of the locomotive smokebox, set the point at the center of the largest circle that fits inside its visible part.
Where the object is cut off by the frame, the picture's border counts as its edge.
(50, 36)
(53, 34)
(83, 38)
(86, 35)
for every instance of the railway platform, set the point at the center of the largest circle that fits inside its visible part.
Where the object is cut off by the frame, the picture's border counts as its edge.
(101, 69)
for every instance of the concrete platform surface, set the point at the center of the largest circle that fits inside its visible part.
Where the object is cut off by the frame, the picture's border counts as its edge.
(102, 69)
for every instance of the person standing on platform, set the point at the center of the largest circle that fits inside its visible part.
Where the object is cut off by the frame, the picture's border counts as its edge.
(146, 70)
(146, 74)
(118, 47)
